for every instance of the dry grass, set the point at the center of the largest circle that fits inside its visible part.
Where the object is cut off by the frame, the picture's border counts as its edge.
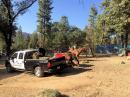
(100, 77)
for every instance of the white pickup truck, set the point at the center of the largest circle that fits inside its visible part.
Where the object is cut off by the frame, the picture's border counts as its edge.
(22, 60)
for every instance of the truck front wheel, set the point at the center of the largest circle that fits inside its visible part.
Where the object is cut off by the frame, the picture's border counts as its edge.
(38, 71)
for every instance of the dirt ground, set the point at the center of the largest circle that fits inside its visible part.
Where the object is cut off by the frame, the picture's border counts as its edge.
(100, 77)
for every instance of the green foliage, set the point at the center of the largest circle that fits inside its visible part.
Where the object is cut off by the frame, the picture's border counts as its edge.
(101, 29)
(64, 24)
(27, 41)
(2, 43)
(59, 40)
(9, 11)
(93, 16)
(49, 93)
(33, 40)
(44, 21)
(64, 36)
(44, 16)
(116, 15)
(19, 42)
(91, 31)
(75, 37)
(55, 27)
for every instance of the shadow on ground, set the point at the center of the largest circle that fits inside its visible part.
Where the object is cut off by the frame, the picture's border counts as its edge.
(64, 96)
(87, 60)
(94, 60)
(66, 72)
(75, 70)
(86, 65)
(4, 74)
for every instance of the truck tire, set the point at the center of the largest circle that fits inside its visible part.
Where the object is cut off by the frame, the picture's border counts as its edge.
(9, 69)
(38, 71)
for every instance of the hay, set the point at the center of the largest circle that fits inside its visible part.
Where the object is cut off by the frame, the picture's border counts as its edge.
(49, 93)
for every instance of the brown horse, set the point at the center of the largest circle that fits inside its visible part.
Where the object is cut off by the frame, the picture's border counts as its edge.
(78, 51)
(72, 55)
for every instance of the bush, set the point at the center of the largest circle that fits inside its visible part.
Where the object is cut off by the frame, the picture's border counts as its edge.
(49, 93)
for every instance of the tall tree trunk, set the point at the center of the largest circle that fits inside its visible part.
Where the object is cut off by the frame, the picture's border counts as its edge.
(9, 36)
(122, 41)
(92, 50)
(126, 43)
(8, 49)
(9, 43)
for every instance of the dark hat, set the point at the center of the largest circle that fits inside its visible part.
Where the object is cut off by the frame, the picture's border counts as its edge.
(42, 51)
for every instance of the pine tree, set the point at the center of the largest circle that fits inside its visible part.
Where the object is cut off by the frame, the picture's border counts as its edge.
(92, 29)
(64, 24)
(93, 16)
(44, 18)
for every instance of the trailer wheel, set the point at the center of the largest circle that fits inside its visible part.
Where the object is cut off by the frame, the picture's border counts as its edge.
(38, 71)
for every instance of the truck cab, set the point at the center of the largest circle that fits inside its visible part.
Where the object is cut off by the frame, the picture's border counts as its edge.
(17, 60)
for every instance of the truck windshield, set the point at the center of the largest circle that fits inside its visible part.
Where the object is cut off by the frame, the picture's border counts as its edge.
(14, 55)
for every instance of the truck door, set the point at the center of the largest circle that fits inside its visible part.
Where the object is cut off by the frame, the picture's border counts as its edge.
(21, 61)
(13, 60)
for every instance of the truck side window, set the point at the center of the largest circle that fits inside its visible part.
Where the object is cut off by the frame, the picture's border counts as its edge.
(21, 56)
(29, 55)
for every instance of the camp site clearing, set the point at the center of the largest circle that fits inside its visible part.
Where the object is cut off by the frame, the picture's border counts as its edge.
(95, 77)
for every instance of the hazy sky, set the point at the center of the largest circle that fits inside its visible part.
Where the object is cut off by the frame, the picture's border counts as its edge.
(77, 12)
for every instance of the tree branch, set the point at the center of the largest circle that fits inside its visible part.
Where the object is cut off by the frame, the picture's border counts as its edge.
(23, 9)
(4, 2)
